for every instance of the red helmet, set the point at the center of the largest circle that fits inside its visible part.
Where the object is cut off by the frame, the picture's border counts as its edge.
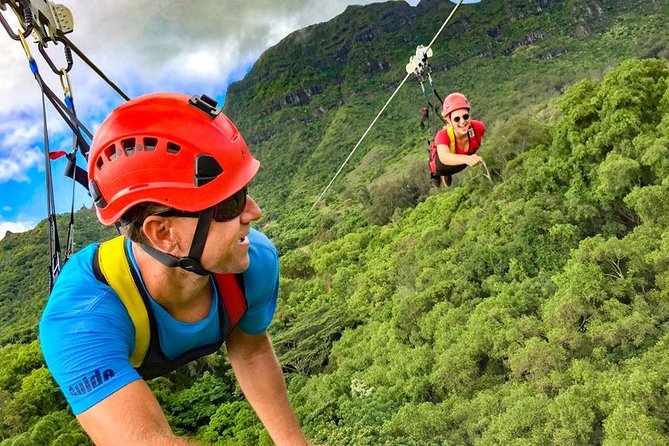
(455, 101)
(169, 149)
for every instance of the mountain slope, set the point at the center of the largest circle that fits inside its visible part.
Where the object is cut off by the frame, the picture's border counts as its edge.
(309, 99)
(530, 311)
(534, 312)
(23, 278)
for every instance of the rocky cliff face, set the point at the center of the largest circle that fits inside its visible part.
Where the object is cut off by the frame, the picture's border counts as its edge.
(309, 62)
(368, 42)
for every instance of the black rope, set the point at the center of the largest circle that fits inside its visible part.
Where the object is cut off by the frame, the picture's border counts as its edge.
(72, 160)
(434, 90)
(54, 241)
(72, 121)
(67, 112)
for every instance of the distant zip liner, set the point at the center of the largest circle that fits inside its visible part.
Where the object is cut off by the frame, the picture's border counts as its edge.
(416, 63)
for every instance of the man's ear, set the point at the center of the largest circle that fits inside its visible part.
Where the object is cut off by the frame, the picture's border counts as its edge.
(160, 233)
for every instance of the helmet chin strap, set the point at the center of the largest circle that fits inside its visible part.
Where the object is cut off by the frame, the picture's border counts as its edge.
(191, 262)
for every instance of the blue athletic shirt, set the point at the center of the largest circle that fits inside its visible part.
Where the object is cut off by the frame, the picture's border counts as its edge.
(87, 336)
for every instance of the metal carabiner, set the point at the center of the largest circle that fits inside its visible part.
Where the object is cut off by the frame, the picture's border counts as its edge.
(68, 57)
(27, 19)
(65, 82)
(26, 47)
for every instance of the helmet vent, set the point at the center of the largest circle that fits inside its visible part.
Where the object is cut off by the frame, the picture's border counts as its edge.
(206, 170)
(99, 163)
(150, 144)
(173, 148)
(111, 152)
(128, 146)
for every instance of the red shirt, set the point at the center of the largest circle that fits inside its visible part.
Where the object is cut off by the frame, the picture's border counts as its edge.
(474, 141)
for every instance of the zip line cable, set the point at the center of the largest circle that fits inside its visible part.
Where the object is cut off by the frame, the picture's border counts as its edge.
(358, 144)
(455, 8)
(94, 67)
(436, 36)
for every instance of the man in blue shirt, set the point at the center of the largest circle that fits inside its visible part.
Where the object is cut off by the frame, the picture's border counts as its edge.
(187, 275)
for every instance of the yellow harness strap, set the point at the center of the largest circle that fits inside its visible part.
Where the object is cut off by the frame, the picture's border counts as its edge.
(115, 268)
(451, 137)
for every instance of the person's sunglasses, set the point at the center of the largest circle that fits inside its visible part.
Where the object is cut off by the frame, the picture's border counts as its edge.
(465, 117)
(226, 210)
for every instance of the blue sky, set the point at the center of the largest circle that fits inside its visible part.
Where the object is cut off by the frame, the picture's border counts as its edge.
(144, 46)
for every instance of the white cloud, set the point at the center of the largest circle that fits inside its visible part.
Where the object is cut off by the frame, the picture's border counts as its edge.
(200, 63)
(143, 46)
(15, 166)
(19, 149)
(15, 226)
(146, 46)
(17, 134)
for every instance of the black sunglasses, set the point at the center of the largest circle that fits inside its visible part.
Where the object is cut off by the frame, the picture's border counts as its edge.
(226, 210)
(464, 117)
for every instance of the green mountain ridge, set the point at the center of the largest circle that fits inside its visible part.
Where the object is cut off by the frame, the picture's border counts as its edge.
(531, 311)
(307, 100)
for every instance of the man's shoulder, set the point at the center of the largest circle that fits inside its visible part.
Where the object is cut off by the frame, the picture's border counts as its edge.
(258, 238)
(78, 270)
(263, 270)
(77, 290)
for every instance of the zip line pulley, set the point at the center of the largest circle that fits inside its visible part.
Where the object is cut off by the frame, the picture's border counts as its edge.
(45, 20)
(418, 63)
(48, 22)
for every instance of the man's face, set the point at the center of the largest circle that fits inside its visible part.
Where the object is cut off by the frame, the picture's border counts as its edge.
(227, 247)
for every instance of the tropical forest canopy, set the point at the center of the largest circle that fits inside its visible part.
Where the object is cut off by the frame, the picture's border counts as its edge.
(530, 311)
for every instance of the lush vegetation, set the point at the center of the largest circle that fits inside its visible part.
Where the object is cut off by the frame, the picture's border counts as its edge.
(512, 58)
(535, 312)
(531, 311)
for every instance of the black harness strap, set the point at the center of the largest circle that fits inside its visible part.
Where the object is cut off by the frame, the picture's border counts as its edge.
(192, 261)
(54, 242)
(72, 165)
